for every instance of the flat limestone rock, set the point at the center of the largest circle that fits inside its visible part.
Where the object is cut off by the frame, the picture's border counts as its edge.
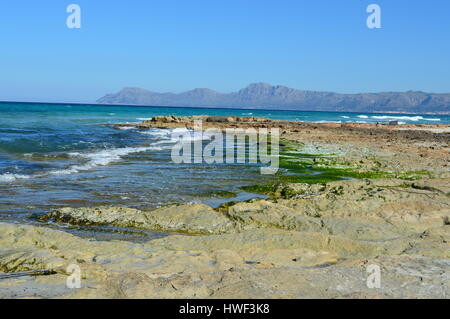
(262, 263)
(373, 209)
(271, 239)
(189, 218)
(194, 218)
(266, 214)
(401, 277)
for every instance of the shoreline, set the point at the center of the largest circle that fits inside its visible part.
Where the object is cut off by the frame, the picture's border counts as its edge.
(186, 121)
(312, 238)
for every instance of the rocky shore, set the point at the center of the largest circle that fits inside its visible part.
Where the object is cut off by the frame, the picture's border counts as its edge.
(381, 197)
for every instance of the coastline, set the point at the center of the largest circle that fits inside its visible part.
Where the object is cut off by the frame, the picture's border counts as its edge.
(382, 197)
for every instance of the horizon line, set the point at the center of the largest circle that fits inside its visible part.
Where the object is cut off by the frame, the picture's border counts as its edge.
(217, 107)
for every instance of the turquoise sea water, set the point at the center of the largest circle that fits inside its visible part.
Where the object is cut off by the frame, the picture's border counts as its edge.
(53, 156)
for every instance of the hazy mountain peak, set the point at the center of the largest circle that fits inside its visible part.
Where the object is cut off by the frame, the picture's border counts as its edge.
(263, 95)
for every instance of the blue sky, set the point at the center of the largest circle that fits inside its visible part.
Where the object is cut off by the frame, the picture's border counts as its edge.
(220, 44)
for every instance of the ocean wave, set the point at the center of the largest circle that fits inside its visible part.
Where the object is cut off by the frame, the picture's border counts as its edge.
(101, 158)
(95, 159)
(168, 136)
(325, 121)
(405, 118)
(8, 177)
(434, 120)
(363, 116)
(157, 132)
(144, 119)
(345, 117)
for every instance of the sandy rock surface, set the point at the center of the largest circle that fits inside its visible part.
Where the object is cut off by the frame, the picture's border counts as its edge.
(189, 218)
(318, 243)
(306, 241)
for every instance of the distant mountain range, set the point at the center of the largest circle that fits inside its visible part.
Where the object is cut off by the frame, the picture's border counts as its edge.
(265, 96)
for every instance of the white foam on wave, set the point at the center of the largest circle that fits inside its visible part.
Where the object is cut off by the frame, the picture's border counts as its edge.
(345, 117)
(174, 136)
(325, 121)
(107, 156)
(8, 177)
(157, 132)
(102, 158)
(363, 116)
(144, 119)
(184, 139)
(95, 159)
(405, 118)
(434, 120)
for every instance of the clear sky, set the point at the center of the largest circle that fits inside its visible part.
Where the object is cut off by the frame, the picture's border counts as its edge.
(224, 45)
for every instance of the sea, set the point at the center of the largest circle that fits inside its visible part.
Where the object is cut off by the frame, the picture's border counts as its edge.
(59, 155)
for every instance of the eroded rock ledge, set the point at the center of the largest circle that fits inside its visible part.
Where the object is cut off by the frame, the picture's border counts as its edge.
(316, 242)
(189, 218)
(358, 209)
